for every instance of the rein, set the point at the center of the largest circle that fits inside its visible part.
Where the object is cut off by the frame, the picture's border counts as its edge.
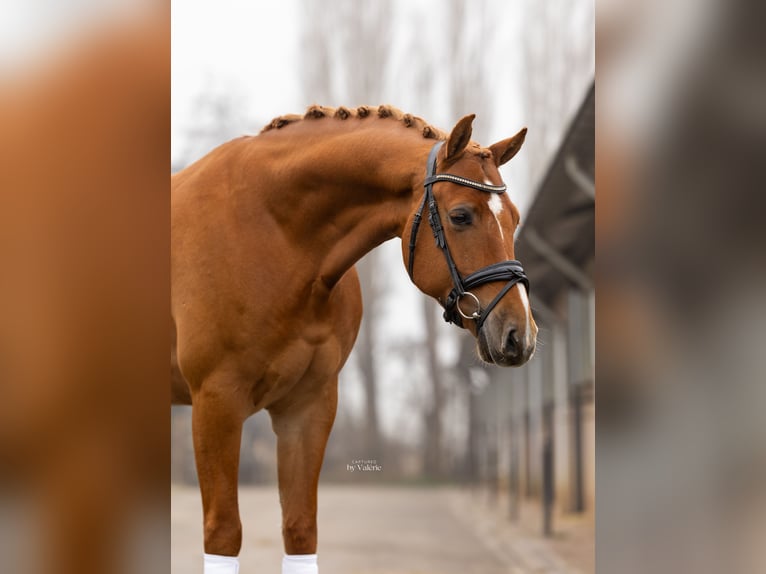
(510, 271)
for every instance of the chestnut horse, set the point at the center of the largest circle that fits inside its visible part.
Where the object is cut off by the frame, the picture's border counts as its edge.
(266, 302)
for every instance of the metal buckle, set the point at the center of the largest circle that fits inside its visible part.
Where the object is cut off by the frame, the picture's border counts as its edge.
(476, 315)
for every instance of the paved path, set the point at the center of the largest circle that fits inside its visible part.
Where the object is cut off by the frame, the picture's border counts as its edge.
(369, 530)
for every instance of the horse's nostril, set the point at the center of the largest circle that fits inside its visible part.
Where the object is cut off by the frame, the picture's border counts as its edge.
(512, 342)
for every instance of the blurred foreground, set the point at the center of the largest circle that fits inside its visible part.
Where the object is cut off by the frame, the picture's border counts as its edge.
(84, 142)
(681, 276)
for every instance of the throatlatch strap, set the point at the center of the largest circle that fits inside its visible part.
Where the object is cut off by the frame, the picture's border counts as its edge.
(430, 169)
(414, 235)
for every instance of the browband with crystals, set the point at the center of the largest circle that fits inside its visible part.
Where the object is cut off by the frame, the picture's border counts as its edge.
(486, 187)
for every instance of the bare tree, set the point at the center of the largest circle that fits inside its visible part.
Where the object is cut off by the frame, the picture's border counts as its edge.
(366, 353)
(558, 60)
(218, 117)
(468, 89)
(467, 93)
(344, 61)
(316, 53)
(433, 459)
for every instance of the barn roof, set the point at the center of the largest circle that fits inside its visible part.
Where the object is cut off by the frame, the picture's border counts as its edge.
(556, 243)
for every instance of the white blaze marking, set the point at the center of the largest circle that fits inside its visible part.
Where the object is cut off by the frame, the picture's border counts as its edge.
(496, 207)
(525, 302)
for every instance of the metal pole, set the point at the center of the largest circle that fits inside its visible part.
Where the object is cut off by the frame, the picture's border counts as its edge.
(548, 494)
(514, 478)
(579, 504)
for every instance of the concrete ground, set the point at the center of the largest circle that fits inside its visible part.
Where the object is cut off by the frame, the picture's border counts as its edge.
(388, 530)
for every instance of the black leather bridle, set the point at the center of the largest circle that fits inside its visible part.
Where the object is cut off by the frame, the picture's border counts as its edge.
(510, 271)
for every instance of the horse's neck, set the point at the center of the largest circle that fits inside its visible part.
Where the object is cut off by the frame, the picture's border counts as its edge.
(349, 195)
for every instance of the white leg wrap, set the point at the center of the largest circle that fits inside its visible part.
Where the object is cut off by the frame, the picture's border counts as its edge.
(215, 564)
(300, 564)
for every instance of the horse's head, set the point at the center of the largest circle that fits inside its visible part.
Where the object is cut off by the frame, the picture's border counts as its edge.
(470, 268)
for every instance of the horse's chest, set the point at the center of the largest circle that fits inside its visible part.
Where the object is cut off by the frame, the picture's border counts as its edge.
(300, 366)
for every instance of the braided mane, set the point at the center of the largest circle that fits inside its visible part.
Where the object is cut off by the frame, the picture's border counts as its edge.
(316, 112)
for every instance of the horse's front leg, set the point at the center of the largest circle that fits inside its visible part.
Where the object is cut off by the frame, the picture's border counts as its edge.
(302, 428)
(217, 417)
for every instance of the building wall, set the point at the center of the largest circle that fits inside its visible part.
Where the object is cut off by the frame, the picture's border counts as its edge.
(518, 410)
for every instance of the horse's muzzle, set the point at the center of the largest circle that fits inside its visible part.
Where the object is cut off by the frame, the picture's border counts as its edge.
(511, 349)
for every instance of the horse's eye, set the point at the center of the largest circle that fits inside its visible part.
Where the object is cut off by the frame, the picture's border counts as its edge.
(460, 217)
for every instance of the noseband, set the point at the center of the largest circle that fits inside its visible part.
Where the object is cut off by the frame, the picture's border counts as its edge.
(510, 271)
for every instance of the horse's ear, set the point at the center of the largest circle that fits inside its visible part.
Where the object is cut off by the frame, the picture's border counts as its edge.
(504, 150)
(460, 136)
